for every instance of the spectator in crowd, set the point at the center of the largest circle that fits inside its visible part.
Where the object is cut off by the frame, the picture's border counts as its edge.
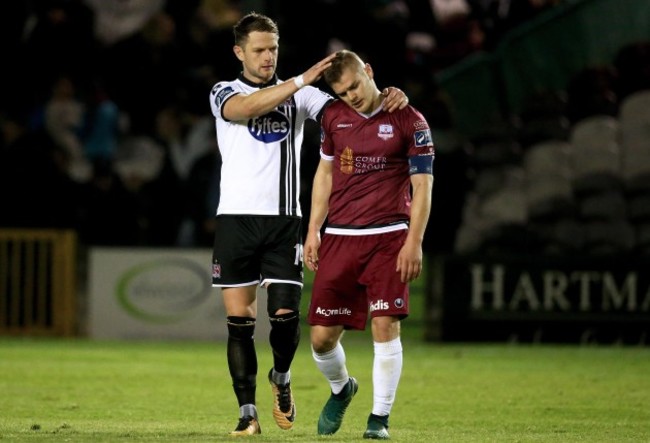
(35, 188)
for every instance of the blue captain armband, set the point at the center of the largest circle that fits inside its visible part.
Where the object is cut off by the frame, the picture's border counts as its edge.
(421, 164)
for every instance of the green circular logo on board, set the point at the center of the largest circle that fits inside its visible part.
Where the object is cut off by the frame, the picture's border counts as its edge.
(163, 291)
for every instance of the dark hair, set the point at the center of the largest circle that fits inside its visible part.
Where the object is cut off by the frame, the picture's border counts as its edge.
(252, 22)
(344, 59)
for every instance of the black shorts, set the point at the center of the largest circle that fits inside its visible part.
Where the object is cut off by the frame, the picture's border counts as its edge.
(251, 249)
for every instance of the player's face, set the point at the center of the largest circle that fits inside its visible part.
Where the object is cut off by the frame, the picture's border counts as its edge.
(357, 89)
(259, 56)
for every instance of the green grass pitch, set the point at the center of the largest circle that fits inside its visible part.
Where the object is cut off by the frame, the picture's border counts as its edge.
(55, 390)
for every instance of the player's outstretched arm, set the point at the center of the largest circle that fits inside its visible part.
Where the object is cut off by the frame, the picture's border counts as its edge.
(263, 101)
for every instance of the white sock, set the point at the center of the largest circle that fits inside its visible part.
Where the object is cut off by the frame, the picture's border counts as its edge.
(332, 365)
(386, 372)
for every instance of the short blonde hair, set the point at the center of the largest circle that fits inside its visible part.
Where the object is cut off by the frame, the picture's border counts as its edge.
(343, 60)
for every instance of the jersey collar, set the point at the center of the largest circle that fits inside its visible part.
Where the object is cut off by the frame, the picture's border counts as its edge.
(273, 81)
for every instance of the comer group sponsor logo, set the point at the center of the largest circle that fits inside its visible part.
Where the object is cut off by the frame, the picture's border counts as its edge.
(360, 164)
(269, 128)
(163, 291)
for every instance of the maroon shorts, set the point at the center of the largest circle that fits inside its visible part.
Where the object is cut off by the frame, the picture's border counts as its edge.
(356, 276)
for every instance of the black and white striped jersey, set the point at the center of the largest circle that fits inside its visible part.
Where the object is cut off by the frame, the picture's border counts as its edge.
(261, 156)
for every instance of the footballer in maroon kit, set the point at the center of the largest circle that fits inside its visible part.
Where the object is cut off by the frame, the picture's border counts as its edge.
(373, 186)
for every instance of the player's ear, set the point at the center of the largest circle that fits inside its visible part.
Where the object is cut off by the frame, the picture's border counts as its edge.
(239, 52)
(368, 70)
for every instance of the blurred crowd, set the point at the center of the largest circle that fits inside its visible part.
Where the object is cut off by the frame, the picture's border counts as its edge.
(106, 127)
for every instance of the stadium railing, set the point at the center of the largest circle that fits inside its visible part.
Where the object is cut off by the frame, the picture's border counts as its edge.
(38, 282)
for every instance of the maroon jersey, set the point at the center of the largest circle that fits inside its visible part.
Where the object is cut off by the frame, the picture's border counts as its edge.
(373, 157)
